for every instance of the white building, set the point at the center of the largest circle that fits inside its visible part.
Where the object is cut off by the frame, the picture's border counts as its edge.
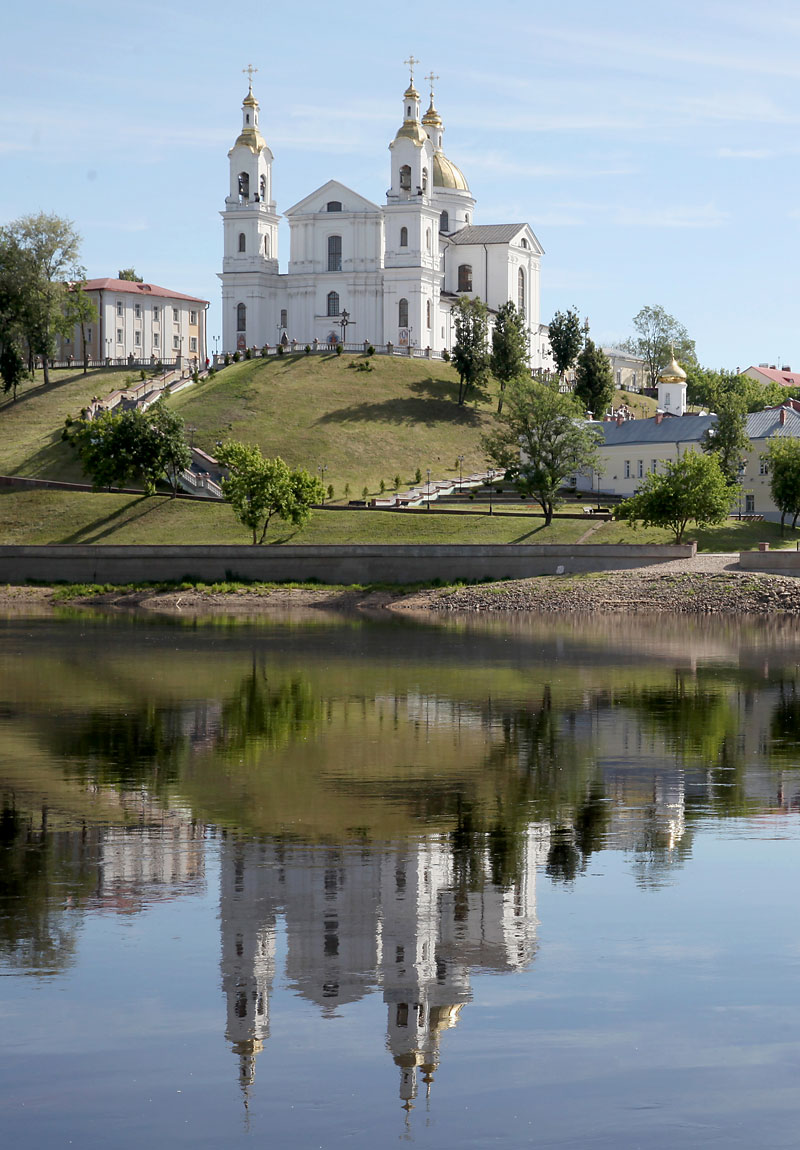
(360, 272)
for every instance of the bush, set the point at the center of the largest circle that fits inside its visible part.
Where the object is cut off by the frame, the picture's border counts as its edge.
(227, 359)
(236, 357)
(339, 349)
(265, 350)
(247, 353)
(364, 492)
(383, 487)
(142, 375)
(370, 350)
(307, 349)
(397, 482)
(280, 349)
(418, 476)
(446, 356)
(212, 371)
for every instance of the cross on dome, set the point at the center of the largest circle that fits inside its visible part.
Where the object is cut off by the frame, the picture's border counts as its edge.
(411, 62)
(431, 78)
(250, 70)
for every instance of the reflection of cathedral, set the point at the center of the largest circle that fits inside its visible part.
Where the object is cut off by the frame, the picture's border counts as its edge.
(403, 918)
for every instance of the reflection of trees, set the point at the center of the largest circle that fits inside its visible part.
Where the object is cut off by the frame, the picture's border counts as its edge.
(264, 714)
(143, 746)
(42, 874)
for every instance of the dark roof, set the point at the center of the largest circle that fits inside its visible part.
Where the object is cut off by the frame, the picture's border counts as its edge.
(761, 424)
(487, 234)
(678, 429)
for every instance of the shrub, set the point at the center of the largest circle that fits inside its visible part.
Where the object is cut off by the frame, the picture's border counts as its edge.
(247, 353)
(339, 349)
(236, 357)
(370, 350)
(446, 356)
(307, 349)
(280, 349)
(265, 350)
(383, 487)
(418, 476)
(212, 371)
(142, 375)
(330, 491)
(397, 482)
(364, 492)
(227, 359)
(347, 490)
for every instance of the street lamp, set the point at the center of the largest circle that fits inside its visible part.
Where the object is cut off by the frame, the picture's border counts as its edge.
(429, 489)
(460, 476)
(191, 431)
(344, 324)
(323, 467)
(491, 483)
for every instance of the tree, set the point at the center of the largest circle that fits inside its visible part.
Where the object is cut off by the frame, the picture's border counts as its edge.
(509, 357)
(129, 274)
(80, 309)
(727, 439)
(594, 379)
(46, 250)
(692, 488)
(163, 450)
(470, 354)
(783, 460)
(543, 437)
(659, 335)
(707, 388)
(12, 362)
(259, 489)
(115, 450)
(566, 339)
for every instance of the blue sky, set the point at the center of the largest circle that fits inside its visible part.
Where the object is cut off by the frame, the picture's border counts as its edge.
(654, 151)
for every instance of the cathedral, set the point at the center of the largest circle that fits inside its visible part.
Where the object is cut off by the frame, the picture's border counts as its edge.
(362, 273)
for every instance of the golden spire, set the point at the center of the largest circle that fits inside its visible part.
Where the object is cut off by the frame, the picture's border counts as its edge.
(250, 98)
(411, 92)
(432, 117)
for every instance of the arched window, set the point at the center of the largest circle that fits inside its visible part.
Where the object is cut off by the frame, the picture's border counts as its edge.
(284, 317)
(405, 178)
(524, 242)
(466, 218)
(333, 303)
(404, 237)
(465, 277)
(402, 313)
(241, 317)
(444, 222)
(266, 245)
(242, 242)
(424, 179)
(244, 185)
(334, 253)
(521, 290)
(428, 313)
(263, 186)
(334, 206)
(428, 238)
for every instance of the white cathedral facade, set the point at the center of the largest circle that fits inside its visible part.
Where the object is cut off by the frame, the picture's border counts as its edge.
(362, 273)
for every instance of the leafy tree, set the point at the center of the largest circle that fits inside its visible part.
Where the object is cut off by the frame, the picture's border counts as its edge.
(164, 450)
(658, 334)
(783, 460)
(727, 439)
(594, 379)
(566, 339)
(260, 489)
(46, 251)
(509, 357)
(129, 274)
(79, 310)
(542, 438)
(692, 488)
(707, 388)
(470, 353)
(12, 362)
(115, 450)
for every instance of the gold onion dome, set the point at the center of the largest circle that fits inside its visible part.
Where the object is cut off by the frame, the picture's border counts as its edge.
(447, 175)
(412, 130)
(411, 92)
(432, 117)
(250, 101)
(673, 372)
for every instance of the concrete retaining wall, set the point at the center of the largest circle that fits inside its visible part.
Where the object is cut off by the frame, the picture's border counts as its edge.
(771, 562)
(340, 564)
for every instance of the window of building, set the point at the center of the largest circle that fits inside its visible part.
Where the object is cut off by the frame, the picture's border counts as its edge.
(763, 467)
(262, 183)
(428, 313)
(242, 242)
(137, 338)
(402, 313)
(155, 314)
(424, 179)
(466, 218)
(266, 246)
(654, 465)
(88, 335)
(119, 307)
(193, 343)
(521, 290)
(524, 242)
(749, 504)
(333, 303)
(176, 342)
(334, 205)
(633, 379)
(444, 222)
(334, 253)
(156, 339)
(137, 310)
(428, 239)
(465, 277)
(119, 335)
(241, 317)
(619, 379)
(639, 468)
(405, 178)
(175, 314)
(284, 317)
(192, 317)
(404, 237)
(627, 468)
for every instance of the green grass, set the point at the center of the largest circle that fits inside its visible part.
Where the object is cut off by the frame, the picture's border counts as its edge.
(733, 535)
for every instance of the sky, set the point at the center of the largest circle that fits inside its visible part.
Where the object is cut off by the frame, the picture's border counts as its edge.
(653, 149)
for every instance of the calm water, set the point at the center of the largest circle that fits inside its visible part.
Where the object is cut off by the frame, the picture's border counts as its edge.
(321, 883)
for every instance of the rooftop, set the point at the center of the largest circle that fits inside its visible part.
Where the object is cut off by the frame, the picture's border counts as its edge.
(129, 287)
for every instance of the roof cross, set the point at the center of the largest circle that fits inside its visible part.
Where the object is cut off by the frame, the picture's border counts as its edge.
(250, 70)
(411, 62)
(431, 78)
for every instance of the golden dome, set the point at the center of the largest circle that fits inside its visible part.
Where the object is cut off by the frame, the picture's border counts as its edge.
(432, 117)
(411, 92)
(447, 175)
(250, 101)
(251, 138)
(673, 372)
(412, 130)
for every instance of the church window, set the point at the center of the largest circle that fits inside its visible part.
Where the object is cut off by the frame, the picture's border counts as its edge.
(241, 317)
(119, 335)
(402, 313)
(521, 290)
(242, 242)
(404, 237)
(465, 277)
(137, 338)
(266, 246)
(334, 205)
(175, 314)
(639, 468)
(244, 185)
(263, 186)
(334, 253)
(405, 178)
(627, 468)
(524, 242)
(284, 317)
(424, 179)
(156, 339)
(466, 218)
(428, 313)
(333, 303)
(444, 222)
(137, 310)
(155, 314)
(428, 238)
(192, 317)
(119, 307)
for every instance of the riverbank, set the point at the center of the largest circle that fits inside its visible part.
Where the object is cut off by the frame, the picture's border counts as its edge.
(703, 585)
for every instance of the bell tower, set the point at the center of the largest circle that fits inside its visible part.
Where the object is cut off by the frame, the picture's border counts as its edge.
(250, 222)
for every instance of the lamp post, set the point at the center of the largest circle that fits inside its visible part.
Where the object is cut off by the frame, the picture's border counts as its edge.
(429, 489)
(191, 431)
(344, 324)
(108, 351)
(323, 467)
(491, 482)
(460, 475)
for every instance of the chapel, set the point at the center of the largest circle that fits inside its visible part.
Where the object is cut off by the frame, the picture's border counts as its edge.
(366, 273)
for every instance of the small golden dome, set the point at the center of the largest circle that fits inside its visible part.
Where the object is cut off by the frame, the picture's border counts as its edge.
(250, 101)
(432, 117)
(447, 175)
(411, 92)
(412, 130)
(673, 372)
(251, 138)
